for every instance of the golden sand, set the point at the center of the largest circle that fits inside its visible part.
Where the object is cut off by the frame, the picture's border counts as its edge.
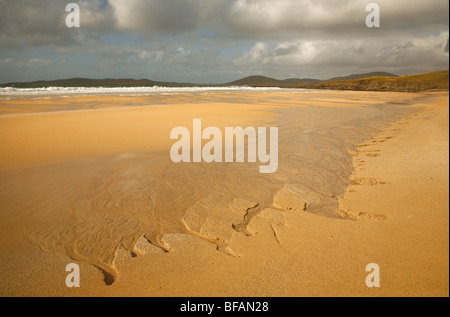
(363, 178)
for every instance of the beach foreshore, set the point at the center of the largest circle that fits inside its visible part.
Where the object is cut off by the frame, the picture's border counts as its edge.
(362, 178)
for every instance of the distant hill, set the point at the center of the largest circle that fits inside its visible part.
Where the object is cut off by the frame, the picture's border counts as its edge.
(262, 81)
(376, 81)
(359, 76)
(85, 82)
(297, 82)
(428, 81)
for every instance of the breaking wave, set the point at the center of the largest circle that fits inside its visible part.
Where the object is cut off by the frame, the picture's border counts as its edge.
(13, 91)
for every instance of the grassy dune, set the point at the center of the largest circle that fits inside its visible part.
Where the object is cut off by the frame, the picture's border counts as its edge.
(428, 81)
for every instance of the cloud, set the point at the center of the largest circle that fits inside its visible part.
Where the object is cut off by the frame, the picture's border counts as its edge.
(413, 55)
(174, 17)
(341, 18)
(220, 40)
(156, 16)
(31, 63)
(36, 23)
(42, 22)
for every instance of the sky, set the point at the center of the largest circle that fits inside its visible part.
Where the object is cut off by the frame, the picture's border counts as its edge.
(218, 41)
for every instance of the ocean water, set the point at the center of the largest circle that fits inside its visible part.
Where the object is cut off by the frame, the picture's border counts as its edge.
(57, 91)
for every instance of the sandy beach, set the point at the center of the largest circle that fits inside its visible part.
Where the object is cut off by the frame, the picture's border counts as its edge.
(363, 177)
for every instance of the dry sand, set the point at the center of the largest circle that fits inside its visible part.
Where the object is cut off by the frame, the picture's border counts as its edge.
(363, 178)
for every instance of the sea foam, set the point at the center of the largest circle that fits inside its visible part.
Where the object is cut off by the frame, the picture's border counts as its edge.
(13, 91)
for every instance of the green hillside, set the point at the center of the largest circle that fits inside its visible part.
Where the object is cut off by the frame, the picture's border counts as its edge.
(428, 81)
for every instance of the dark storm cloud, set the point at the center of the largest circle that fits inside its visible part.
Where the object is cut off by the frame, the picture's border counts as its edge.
(36, 23)
(42, 22)
(154, 16)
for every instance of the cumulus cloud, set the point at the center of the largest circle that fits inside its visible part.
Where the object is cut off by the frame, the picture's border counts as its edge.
(224, 39)
(42, 22)
(332, 18)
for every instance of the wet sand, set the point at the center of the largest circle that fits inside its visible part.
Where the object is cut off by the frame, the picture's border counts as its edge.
(362, 178)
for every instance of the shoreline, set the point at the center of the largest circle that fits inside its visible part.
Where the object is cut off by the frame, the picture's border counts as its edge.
(393, 165)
